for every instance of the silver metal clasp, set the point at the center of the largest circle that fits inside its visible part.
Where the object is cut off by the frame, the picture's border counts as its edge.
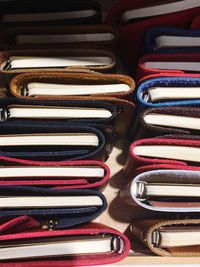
(146, 96)
(155, 238)
(4, 114)
(141, 190)
(117, 244)
(24, 91)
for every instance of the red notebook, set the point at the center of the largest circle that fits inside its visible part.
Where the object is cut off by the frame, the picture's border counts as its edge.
(133, 21)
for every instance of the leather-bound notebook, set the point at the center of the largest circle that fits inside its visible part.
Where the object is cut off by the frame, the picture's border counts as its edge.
(67, 12)
(81, 174)
(171, 40)
(53, 143)
(29, 37)
(159, 121)
(167, 91)
(164, 190)
(180, 150)
(179, 238)
(169, 63)
(27, 243)
(66, 207)
(135, 18)
(59, 85)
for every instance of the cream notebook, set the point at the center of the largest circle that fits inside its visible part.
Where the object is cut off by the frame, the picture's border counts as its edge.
(175, 121)
(184, 153)
(38, 89)
(172, 93)
(56, 139)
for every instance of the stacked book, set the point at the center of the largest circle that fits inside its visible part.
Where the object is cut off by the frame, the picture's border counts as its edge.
(63, 104)
(160, 40)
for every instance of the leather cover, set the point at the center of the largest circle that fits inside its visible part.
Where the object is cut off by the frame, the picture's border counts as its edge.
(164, 166)
(165, 57)
(143, 230)
(32, 6)
(8, 36)
(196, 23)
(59, 153)
(135, 161)
(153, 33)
(18, 224)
(146, 130)
(85, 260)
(167, 81)
(131, 39)
(163, 203)
(63, 217)
(5, 55)
(124, 107)
(58, 182)
(22, 80)
(164, 75)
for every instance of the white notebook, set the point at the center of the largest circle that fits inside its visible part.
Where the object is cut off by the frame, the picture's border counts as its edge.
(55, 139)
(38, 89)
(159, 9)
(184, 153)
(27, 62)
(13, 202)
(46, 16)
(185, 66)
(63, 38)
(48, 171)
(82, 246)
(173, 121)
(26, 112)
(177, 41)
(172, 93)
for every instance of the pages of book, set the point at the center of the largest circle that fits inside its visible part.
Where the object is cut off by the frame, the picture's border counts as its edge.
(173, 121)
(160, 9)
(37, 89)
(177, 41)
(63, 38)
(69, 139)
(185, 153)
(46, 16)
(17, 112)
(66, 171)
(58, 248)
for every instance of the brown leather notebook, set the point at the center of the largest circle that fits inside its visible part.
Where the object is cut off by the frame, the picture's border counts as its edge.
(170, 237)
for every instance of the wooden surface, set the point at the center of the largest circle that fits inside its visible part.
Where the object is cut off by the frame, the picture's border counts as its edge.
(119, 215)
